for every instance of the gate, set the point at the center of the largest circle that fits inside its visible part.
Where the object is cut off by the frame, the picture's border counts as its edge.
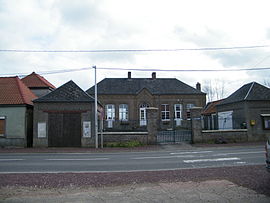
(64, 130)
(173, 136)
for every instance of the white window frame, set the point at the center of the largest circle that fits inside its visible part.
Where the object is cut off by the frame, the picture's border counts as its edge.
(165, 112)
(110, 112)
(123, 112)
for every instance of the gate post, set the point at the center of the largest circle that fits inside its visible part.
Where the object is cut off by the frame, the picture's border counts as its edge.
(196, 124)
(152, 117)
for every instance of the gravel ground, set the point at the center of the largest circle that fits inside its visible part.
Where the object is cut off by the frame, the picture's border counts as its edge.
(187, 192)
(254, 177)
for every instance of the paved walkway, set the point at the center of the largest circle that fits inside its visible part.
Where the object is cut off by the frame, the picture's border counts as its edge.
(208, 191)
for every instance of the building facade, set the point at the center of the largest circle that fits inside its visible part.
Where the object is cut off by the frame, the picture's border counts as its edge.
(247, 108)
(64, 118)
(125, 101)
(16, 113)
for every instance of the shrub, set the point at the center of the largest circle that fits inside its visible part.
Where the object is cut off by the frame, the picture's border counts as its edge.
(128, 144)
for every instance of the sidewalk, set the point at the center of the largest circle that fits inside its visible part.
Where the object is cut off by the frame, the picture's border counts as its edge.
(207, 191)
(167, 147)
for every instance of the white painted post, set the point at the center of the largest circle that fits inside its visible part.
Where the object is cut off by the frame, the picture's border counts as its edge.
(96, 113)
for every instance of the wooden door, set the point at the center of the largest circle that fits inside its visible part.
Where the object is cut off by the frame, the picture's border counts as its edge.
(64, 130)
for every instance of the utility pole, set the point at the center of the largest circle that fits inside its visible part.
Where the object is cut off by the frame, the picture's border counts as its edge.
(96, 110)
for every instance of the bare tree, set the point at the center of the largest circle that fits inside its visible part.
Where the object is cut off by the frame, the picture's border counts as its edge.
(266, 82)
(215, 89)
(208, 89)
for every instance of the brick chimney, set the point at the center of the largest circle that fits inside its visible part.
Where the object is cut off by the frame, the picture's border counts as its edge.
(129, 75)
(154, 75)
(198, 86)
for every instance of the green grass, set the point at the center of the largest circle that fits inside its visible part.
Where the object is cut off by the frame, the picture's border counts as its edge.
(128, 144)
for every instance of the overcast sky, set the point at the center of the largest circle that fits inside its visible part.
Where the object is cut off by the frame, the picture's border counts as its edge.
(137, 24)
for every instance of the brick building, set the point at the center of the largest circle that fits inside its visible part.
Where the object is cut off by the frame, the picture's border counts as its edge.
(247, 108)
(64, 118)
(125, 101)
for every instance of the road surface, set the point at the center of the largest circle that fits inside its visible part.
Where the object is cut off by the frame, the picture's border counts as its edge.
(130, 161)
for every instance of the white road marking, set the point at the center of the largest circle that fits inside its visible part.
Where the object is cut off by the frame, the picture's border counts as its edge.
(163, 157)
(12, 159)
(93, 159)
(235, 153)
(210, 160)
(240, 162)
(197, 152)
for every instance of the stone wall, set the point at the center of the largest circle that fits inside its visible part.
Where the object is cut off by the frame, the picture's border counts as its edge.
(224, 136)
(124, 137)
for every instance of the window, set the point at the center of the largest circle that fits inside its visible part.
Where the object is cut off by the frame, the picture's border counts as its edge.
(110, 112)
(165, 112)
(266, 121)
(189, 106)
(178, 111)
(2, 126)
(123, 112)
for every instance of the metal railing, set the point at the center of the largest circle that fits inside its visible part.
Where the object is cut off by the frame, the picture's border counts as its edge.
(141, 125)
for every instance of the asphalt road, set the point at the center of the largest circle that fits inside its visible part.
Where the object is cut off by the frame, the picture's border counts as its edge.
(130, 161)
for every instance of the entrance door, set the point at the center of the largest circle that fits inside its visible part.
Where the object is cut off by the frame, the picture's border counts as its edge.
(64, 130)
(142, 116)
(142, 113)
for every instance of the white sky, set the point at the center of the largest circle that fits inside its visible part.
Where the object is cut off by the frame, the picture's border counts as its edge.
(140, 24)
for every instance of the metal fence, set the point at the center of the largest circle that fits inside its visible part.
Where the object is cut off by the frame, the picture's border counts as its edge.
(141, 125)
(174, 136)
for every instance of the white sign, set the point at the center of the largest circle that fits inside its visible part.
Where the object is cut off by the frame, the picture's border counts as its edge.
(41, 130)
(225, 120)
(86, 129)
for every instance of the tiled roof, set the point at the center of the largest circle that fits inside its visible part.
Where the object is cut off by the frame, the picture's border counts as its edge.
(159, 86)
(69, 92)
(211, 108)
(14, 91)
(249, 92)
(35, 80)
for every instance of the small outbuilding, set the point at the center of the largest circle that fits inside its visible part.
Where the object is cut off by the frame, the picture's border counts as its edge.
(64, 118)
(247, 108)
(16, 113)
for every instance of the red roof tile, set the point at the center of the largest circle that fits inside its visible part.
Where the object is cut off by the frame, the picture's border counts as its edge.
(211, 107)
(14, 91)
(35, 80)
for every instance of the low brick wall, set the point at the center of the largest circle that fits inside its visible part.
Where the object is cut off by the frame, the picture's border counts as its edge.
(229, 136)
(125, 137)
